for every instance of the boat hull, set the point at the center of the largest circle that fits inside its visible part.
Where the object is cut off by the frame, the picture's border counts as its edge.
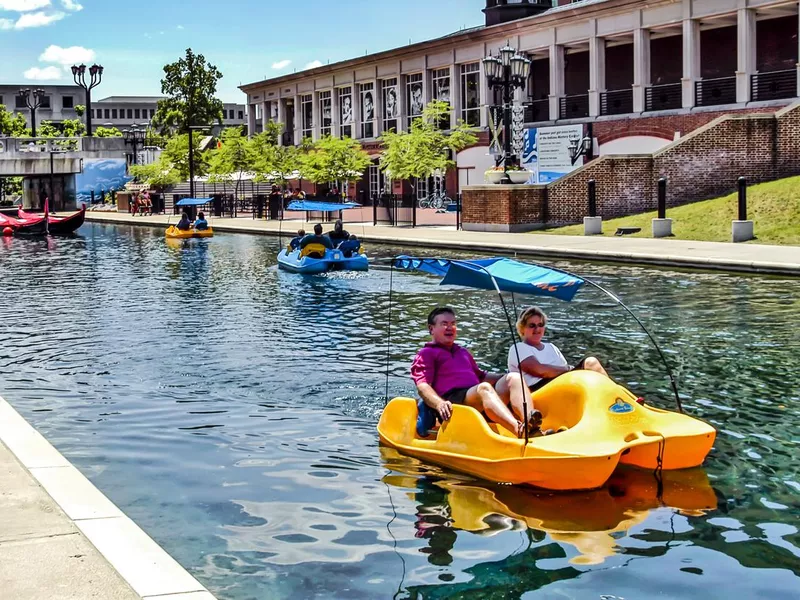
(58, 225)
(605, 425)
(334, 261)
(28, 227)
(181, 234)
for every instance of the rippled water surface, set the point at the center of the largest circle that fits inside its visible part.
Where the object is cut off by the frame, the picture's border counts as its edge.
(230, 409)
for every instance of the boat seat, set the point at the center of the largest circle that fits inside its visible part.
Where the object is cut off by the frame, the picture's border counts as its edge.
(313, 251)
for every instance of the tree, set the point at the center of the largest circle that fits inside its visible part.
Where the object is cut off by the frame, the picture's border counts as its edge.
(157, 174)
(335, 159)
(423, 151)
(190, 85)
(107, 132)
(12, 125)
(233, 156)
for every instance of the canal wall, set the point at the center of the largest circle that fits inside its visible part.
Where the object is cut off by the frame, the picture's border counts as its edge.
(61, 537)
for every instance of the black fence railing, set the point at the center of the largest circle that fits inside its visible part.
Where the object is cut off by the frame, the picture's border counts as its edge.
(666, 96)
(537, 110)
(573, 107)
(711, 92)
(408, 210)
(616, 102)
(773, 85)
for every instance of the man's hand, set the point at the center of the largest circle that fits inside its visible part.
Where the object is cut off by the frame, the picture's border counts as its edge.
(445, 410)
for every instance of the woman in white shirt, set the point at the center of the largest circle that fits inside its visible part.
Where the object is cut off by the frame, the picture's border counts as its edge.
(541, 361)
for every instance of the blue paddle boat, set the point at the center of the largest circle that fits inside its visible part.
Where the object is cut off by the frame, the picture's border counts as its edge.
(316, 258)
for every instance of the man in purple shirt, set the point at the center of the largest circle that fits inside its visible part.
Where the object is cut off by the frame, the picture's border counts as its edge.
(446, 374)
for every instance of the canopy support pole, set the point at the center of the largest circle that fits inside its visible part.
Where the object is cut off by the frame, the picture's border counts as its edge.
(389, 336)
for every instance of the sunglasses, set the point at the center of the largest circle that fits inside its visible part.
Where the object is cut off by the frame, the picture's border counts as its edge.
(536, 325)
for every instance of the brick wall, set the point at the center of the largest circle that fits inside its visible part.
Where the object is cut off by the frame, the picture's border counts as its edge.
(624, 185)
(703, 164)
(503, 208)
(663, 126)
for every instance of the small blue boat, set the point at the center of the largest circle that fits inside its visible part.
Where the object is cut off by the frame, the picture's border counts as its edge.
(316, 258)
(333, 260)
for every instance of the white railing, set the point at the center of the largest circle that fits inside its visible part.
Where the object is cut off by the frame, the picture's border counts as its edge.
(28, 146)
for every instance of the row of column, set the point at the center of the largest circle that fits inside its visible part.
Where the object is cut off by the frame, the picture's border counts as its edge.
(690, 30)
(356, 102)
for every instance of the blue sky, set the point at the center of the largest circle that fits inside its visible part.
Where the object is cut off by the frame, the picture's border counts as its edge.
(247, 40)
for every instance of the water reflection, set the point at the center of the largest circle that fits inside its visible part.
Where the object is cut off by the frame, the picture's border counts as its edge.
(585, 520)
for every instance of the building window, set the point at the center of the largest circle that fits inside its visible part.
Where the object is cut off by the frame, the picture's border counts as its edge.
(391, 108)
(152, 112)
(346, 112)
(129, 113)
(231, 114)
(326, 113)
(66, 102)
(414, 100)
(367, 110)
(113, 113)
(471, 94)
(241, 115)
(307, 115)
(137, 113)
(376, 180)
(45, 102)
(106, 113)
(20, 103)
(441, 91)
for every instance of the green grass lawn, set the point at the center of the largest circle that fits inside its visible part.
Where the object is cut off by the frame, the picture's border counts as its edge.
(774, 207)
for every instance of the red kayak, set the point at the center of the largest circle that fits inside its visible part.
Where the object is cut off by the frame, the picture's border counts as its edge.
(57, 225)
(34, 226)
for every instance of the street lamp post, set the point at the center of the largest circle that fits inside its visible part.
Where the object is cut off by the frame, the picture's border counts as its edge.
(191, 157)
(95, 77)
(134, 137)
(582, 147)
(506, 73)
(38, 100)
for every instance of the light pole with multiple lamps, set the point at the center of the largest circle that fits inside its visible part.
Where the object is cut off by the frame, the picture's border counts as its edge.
(191, 156)
(583, 146)
(134, 137)
(95, 77)
(507, 72)
(38, 100)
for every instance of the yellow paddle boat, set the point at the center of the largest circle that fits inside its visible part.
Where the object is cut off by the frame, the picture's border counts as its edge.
(186, 234)
(601, 426)
(599, 423)
(181, 234)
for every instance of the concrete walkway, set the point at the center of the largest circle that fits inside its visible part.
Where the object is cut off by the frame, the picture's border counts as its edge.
(756, 258)
(61, 539)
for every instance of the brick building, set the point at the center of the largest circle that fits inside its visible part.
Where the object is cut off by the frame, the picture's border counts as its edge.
(644, 73)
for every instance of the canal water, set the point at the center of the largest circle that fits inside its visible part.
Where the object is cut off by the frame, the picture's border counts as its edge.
(230, 408)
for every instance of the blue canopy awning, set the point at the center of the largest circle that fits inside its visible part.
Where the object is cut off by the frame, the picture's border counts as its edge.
(510, 275)
(193, 201)
(318, 205)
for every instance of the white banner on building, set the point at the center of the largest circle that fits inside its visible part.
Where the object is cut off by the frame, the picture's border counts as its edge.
(545, 151)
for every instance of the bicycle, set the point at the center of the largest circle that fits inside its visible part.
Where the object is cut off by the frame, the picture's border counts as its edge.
(437, 201)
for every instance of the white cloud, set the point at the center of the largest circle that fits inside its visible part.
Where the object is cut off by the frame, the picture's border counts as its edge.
(23, 5)
(281, 64)
(314, 64)
(48, 73)
(72, 5)
(38, 19)
(6, 24)
(73, 55)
